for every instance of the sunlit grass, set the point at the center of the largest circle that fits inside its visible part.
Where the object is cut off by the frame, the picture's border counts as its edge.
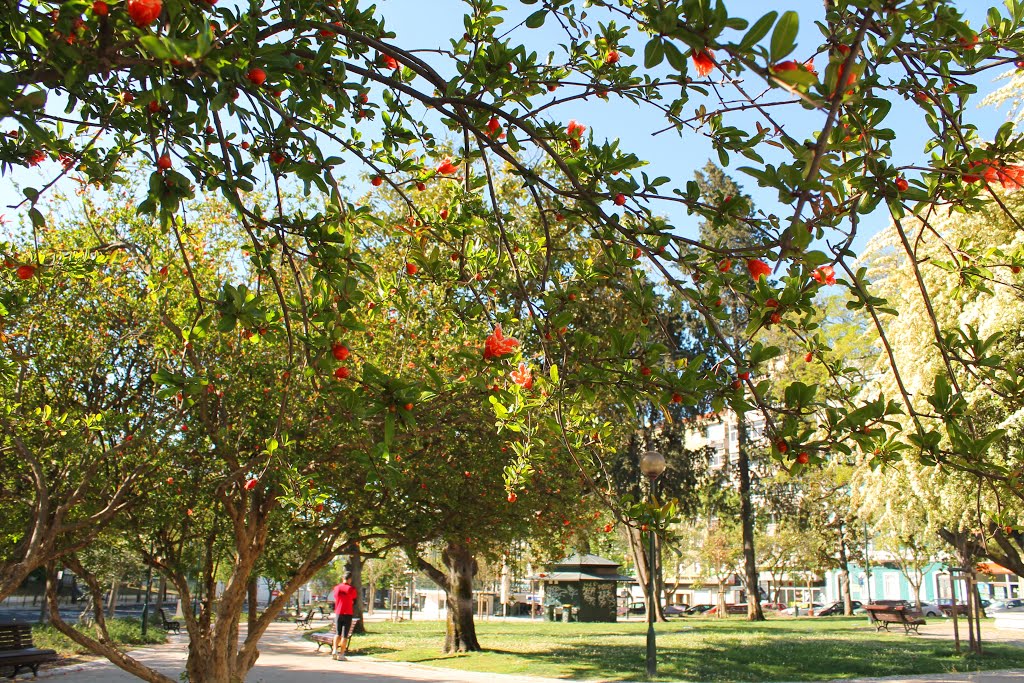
(696, 650)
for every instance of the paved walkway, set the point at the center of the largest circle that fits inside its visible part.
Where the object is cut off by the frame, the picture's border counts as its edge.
(285, 657)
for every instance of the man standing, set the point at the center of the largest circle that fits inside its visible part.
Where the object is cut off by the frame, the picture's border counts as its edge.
(344, 596)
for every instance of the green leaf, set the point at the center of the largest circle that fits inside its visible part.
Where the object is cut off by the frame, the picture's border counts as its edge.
(536, 20)
(758, 31)
(554, 374)
(784, 36)
(156, 47)
(654, 52)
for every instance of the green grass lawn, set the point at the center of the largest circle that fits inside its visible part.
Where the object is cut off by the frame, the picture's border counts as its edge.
(695, 650)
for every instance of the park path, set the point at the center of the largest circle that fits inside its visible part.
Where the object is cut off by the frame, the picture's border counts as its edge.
(285, 657)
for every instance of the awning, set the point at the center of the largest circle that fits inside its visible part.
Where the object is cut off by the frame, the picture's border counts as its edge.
(580, 576)
(993, 569)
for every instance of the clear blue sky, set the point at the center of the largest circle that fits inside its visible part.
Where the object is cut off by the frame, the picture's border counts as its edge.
(427, 25)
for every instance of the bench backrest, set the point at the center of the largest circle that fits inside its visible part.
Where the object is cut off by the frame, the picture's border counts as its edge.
(163, 616)
(15, 636)
(886, 609)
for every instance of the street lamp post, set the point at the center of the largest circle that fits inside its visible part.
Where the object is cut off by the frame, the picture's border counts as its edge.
(652, 464)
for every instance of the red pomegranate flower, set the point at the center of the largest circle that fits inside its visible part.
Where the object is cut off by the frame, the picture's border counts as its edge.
(498, 345)
(447, 167)
(575, 129)
(757, 268)
(704, 62)
(825, 275)
(523, 377)
(144, 12)
(789, 65)
(1010, 177)
(251, 484)
(390, 62)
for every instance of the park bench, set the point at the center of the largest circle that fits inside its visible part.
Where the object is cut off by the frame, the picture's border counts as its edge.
(883, 615)
(166, 624)
(327, 638)
(307, 621)
(17, 650)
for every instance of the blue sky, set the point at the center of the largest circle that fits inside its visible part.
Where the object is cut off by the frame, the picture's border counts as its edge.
(430, 24)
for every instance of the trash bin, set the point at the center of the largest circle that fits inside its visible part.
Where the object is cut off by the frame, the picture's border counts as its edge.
(566, 613)
(549, 612)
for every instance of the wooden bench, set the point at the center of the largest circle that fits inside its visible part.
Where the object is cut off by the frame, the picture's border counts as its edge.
(168, 625)
(307, 621)
(883, 615)
(17, 650)
(327, 639)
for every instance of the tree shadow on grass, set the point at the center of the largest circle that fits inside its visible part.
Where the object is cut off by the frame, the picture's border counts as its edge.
(803, 659)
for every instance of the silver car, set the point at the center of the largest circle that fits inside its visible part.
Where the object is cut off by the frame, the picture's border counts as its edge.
(1015, 605)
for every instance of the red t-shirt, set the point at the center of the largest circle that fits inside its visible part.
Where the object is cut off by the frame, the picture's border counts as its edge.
(344, 596)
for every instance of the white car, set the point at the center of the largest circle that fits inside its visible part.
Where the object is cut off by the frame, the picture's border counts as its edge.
(804, 609)
(930, 610)
(1015, 605)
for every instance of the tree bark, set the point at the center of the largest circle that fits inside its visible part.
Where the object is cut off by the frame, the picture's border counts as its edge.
(750, 577)
(252, 595)
(115, 593)
(457, 583)
(461, 630)
(638, 547)
(356, 567)
(844, 573)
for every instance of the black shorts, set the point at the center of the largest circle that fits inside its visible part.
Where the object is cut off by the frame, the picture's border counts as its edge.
(343, 625)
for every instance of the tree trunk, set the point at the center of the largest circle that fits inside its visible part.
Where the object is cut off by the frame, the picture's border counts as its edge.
(844, 574)
(461, 630)
(638, 546)
(750, 578)
(721, 612)
(252, 591)
(355, 565)
(115, 593)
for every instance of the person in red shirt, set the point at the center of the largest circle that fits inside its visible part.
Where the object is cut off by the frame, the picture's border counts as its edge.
(344, 596)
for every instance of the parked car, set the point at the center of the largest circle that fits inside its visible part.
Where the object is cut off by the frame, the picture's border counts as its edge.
(1014, 605)
(837, 609)
(929, 609)
(676, 610)
(699, 609)
(804, 608)
(729, 609)
(635, 607)
(773, 606)
(946, 605)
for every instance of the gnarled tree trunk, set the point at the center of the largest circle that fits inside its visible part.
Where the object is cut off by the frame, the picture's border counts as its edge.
(457, 583)
(460, 635)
